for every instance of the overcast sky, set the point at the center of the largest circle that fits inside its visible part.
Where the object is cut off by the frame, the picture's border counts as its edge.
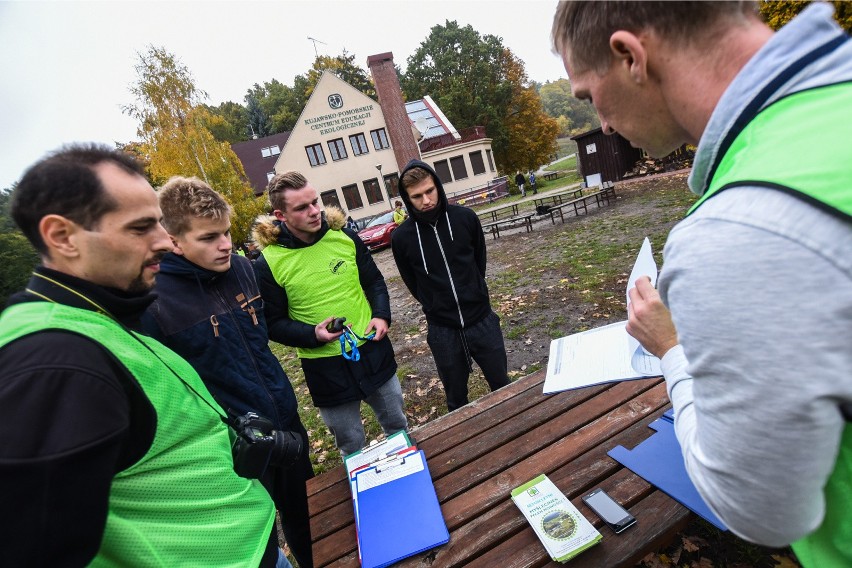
(65, 67)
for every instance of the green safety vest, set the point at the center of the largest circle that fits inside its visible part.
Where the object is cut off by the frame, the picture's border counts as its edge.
(181, 503)
(321, 280)
(799, 145)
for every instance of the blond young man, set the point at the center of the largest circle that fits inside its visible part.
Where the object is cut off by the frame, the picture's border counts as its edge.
(312, 270)
(758, 277)
(209, 310)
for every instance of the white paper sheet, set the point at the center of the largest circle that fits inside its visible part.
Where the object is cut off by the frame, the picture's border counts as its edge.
(600, 355)
(387, 472)
(604, 354)
(645, 266)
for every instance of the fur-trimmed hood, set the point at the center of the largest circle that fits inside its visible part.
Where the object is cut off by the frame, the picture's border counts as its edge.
(268, 230)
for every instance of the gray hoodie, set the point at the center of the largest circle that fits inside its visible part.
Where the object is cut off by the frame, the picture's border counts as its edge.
(760, 288)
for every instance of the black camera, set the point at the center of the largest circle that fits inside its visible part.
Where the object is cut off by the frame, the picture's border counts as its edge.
(336, 325)
(258, 445)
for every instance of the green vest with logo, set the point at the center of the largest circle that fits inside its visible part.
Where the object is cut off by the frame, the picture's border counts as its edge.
(321, 280)
(800, 145)
(181, 503)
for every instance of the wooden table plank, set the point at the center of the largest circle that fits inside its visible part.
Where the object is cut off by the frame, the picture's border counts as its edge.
(480, 452)
(445, 429)
(481, 483)
(493, 526)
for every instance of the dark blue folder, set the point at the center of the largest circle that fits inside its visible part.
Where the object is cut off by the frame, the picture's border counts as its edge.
(399, 518)
(659, 461)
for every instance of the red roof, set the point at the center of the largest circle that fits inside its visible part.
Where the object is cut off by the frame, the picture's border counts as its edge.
(259, 156)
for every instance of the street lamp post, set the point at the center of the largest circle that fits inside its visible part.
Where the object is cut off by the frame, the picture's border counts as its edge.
(384, 181)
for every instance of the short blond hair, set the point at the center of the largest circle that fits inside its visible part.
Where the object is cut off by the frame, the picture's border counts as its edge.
(184, 199)
(581, 29)
(281, 183)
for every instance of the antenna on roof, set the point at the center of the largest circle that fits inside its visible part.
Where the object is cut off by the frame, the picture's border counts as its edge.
(316, 41)
(422, 126)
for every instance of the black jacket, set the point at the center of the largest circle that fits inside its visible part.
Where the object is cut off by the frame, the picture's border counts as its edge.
(232, 358)
(442, 261)
(331, 380)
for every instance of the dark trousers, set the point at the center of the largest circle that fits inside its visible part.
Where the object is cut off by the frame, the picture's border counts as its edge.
(453, 350)
(289, 492)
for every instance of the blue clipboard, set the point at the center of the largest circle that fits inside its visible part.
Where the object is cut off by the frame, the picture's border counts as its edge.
(398, 518)
(659, 461)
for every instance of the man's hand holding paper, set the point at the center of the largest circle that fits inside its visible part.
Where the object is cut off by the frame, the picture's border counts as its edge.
(649, 321)
(608, 353)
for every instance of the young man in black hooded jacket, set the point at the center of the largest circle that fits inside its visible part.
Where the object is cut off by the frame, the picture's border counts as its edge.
(441, 258)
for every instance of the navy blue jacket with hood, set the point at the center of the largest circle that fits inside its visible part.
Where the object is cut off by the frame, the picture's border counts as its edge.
(215, 321)
(441, 259)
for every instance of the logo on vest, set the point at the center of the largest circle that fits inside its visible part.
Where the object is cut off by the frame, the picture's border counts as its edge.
(335, 101)
(338, 266)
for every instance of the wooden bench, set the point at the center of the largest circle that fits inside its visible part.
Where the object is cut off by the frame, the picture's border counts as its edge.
(550, 175)
(480, 452)
(510, 222)
(601, 196)
(557, 198)
(504, 211)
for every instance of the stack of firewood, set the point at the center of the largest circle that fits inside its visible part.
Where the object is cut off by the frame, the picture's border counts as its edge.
(677, 160)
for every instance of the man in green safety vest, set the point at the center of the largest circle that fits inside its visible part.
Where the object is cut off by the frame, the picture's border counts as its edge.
(758, 278)
(313, 271)
(114, 453)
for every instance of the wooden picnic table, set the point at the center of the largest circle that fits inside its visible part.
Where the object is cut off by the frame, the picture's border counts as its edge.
(550, 175)
(495, 213)
(494, 226)
(557, 198)
(480, 452)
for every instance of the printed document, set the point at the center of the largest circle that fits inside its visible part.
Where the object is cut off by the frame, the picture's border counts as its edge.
(604, 354)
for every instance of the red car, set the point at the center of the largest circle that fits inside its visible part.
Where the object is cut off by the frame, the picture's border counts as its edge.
(377, 233)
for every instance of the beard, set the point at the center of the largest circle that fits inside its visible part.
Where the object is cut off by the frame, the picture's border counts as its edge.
(139, 286)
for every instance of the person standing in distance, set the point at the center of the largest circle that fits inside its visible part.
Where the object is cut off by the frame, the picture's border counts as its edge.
(441, 259)
(399, 214)
(758, 277)
(520, 181)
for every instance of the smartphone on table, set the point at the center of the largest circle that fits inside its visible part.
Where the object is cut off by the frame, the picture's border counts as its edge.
(610, 512)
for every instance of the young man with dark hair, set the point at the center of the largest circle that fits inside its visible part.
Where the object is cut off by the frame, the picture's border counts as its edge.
(441, 258)
(209, 311)
(758, 277)
(113, 450)
(311, 271)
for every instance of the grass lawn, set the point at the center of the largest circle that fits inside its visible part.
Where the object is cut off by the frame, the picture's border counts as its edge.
(565, 164)
(565, 146)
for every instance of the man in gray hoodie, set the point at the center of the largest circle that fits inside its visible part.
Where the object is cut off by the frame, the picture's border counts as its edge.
(758, 278)
(441, 259)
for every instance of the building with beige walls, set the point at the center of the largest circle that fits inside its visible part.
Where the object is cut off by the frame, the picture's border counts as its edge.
(352, 148)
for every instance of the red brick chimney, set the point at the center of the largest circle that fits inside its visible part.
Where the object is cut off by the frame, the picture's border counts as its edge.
(393, 108)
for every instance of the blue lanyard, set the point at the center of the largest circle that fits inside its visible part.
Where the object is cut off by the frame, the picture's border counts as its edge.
(350, 339)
